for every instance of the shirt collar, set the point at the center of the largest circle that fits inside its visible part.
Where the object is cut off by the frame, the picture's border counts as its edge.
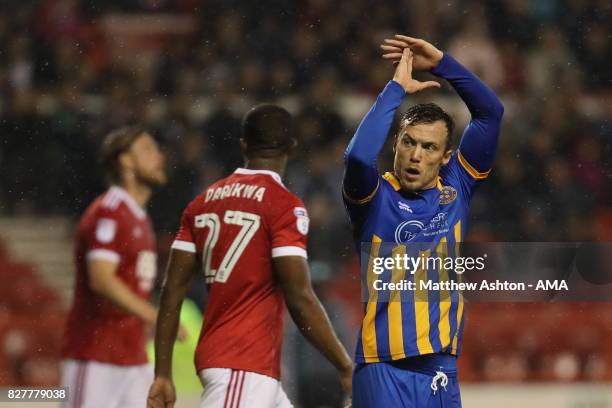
(273, 174)
(138, 211)
(390, 177)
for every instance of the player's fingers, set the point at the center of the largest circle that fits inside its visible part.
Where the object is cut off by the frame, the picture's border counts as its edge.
(429, 84)
(393, 55)
(391, 48)
(413, 43)
(396, 43)
(408, 58)
(402, 65)
(407, 40)
(404, 57)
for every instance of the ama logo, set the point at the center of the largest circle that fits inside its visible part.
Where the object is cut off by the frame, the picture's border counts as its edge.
(407, 230)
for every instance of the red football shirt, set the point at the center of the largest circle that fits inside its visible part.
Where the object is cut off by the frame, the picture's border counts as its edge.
(113, 228)
(236, 226)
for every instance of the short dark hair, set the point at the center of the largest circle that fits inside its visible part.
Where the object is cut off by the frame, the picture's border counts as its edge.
(267, 130)
(115, 143)
(429, 113)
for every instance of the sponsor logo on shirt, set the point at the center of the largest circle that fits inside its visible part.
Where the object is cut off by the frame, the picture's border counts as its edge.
(438, 225)
(146, 269)
(403, 206)
(407, 230)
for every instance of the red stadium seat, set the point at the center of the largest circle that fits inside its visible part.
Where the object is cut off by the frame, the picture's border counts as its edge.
(31, 326)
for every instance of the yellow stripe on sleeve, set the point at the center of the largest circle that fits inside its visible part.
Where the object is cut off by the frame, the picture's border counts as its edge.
(421, 308)
(368, 329)
(468, 167)
(394, 310)
(364, 200)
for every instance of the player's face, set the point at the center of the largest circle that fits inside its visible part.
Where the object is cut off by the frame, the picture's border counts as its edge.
(149, 163)
(420, 151)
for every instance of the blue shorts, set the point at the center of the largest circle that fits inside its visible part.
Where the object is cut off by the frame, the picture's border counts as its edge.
(428, 381)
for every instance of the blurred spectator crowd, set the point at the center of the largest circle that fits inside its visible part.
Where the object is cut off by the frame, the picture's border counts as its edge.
(72, 70)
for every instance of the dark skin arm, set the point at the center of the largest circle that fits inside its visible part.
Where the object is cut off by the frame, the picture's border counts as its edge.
(180, 271)
(293, 275)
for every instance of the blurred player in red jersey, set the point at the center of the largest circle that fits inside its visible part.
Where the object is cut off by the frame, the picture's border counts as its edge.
(104, 346)
(247, 233)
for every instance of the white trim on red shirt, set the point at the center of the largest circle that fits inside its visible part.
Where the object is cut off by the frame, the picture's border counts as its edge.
(183, 246)
(116, 195)
(289, 251)
(103, 255)
(273, 174)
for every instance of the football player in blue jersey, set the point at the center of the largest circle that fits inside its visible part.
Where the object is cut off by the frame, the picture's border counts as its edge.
(407, 347)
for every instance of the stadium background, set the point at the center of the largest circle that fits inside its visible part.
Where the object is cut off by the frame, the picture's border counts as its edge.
(72, 70)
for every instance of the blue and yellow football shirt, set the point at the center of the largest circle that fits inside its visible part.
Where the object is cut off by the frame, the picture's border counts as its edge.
(390, 221)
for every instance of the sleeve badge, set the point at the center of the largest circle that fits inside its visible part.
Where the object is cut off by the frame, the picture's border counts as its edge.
(302, 220)
(106, 230)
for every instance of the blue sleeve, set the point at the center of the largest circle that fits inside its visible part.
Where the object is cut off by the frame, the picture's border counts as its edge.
(479, 141)
(361, 173)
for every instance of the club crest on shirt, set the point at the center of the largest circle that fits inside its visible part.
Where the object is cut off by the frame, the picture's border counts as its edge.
(447, 195)
(302, 220)
(105, 230)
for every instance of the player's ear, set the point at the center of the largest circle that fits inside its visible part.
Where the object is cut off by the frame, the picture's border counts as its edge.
(243, 146)
(126, 161)
(447, 156)
(291, 150)
(395, 141)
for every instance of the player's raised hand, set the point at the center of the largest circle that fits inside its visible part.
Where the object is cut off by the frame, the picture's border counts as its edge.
(426, 55)
(161, 394)
(403, 75)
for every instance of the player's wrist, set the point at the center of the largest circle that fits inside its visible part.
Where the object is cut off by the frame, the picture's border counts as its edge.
(403, 84)
(163, 373)
(395, 86)
(438, 57)
(442, 65)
